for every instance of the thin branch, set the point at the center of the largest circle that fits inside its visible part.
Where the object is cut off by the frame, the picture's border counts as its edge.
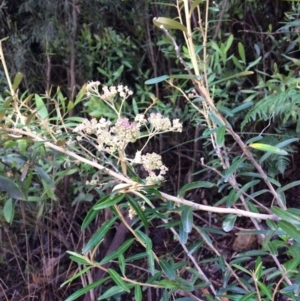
(136, 185)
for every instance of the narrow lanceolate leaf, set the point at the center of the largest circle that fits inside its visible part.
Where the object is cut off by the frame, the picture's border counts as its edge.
(108, 202)
(85, 289)
(290, 230)
(268, 148)
(91, 215)
(18, 78)
(113, 291)
(187, 219)
(118, 280)
(137, 293)
(194, 185)
(99, 235)
(168, 23)
(286, 215)
(137, 208)
(168, 284)
(41, 107)
(118, 252)
(167, 268)
(220, 135)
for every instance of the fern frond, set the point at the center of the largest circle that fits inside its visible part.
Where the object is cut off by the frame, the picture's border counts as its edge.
(284, 104)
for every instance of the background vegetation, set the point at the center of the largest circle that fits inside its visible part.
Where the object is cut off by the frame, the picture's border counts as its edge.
(52, 202)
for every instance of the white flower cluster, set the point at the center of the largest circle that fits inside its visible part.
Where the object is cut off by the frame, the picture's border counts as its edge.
(152, 163)
(132, 212)
(108, 93)
(114, 138)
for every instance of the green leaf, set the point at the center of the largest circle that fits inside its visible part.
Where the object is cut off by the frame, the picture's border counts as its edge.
(81, 272)
(265, 290)
(151, 262)
(8, 210)
(118, 280)
(168, 284)
(11, 188)
(118, 252)
(156, 80)
(108, 202)
(137, 208)
(88, 218)
(288, 186)
(115, 290)
(248, 297)
(268, 148)
(183, 236)
(187, 219)
(290, 230)
(17, 80)
(286, 215)
(77, 257)
(240, 74)
(228, 222)
(241, 51)
(220, 135)
(194, 185)
(229, 43)
(258, 267)
(241, 107)
(99, 235)
(138, 296)
(252, 64)
(121, 260)
(85, 289)
(42, 110)
(167, 269)
(233, 168)
(237, 63)
(195, 4)
(168, 23)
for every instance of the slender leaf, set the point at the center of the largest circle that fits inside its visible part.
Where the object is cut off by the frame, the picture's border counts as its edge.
(241, 51)
(286, 215)
(138, 296)
(194, 185)
(168, 23)
(288, 186)
(290, 230)
(91, 215)
(220, 135)
(121, 260)
(268, 148)
(107, 202)
(118, 252)
(137, 208)
(83, 271)
(167, 269)
(168, 284)
(42, 110)
(85, 289)
(118, 280)
(99, 235)
(233, 168)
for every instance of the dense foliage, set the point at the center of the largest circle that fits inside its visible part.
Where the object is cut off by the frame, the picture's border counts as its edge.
(149, 150)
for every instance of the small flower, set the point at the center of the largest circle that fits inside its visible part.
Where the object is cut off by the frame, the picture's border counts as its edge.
(159, 123)
(140, 119)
